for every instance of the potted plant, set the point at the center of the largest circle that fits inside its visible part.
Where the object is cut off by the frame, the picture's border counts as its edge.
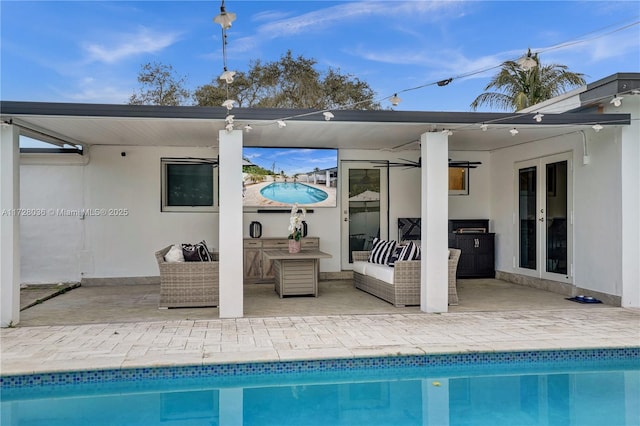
(295, 227)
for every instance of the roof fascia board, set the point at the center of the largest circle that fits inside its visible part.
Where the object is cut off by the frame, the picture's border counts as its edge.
(9, 109)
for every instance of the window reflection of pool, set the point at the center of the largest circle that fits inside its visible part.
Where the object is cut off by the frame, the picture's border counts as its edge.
(293, 192)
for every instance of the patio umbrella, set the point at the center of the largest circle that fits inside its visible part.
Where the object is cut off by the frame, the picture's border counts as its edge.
(364, 199)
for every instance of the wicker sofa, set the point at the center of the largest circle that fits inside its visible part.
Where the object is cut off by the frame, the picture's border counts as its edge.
(404, 288)
(188, 284)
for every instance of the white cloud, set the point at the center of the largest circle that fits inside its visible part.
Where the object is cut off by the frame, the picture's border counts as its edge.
(143, 40)
(318, 20)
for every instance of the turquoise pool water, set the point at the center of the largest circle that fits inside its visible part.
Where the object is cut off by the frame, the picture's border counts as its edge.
(590, 387)
(293, 192)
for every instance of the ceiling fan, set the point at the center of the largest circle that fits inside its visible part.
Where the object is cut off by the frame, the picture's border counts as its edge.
(452, 163)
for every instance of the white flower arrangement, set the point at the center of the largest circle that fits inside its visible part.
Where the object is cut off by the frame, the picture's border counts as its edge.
(295, 222)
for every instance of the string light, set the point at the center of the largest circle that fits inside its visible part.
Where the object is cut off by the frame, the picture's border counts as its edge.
(248, 128)
(227, 76)
(484, 127)
(281, 123)
(538, 117)
(616, 101)
(597, 127)
(229, 104)
(514, 131)
(328, 115)
(395, 100)
(447, 132)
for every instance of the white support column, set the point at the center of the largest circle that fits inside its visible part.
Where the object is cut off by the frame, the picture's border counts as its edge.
(434, 287)
(230, 216)
(328, 179)
(630, 158)
(9, 225)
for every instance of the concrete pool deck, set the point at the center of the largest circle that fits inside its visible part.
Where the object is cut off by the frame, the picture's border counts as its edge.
(173, 342)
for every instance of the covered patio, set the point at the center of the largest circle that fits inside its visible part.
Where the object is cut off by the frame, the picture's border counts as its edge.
(96, 304)
(123, 145)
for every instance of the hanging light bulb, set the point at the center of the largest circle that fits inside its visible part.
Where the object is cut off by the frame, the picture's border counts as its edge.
(281, 124)
(395, 100)
(328, 115)
(229, 127)
(597, 127)
(229, 104)
(227, 76)
(229, 119)
(616, 101)
(526, 62)
(248, 128)
(514, 131)
(538, 117)
(484, 127)
(447, 132)
(224, 18)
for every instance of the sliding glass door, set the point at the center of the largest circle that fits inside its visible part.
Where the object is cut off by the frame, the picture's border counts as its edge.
(544, 225)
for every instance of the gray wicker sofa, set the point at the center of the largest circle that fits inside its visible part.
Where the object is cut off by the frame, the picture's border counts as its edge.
(188, 284)
(405, 277)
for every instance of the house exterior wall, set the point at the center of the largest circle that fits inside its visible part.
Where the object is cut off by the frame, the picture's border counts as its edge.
(596, 205)
(63, 246)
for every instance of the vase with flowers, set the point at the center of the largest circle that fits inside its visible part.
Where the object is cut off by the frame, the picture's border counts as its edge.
(295, 227)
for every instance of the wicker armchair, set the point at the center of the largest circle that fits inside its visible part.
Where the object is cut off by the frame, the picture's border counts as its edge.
(188, 284)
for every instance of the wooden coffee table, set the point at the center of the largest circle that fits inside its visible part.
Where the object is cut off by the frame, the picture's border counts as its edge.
(296, 274)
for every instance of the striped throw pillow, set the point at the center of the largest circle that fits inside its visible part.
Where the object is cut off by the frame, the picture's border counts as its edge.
(411, 251)
(381, 251)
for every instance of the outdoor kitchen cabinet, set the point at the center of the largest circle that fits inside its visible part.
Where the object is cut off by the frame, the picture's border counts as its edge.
(257, 267)
(477, 257)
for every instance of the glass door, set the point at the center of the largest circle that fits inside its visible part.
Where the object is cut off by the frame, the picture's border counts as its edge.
(364, 207)
(544, 225)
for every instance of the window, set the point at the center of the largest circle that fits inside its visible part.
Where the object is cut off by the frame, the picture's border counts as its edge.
(458, 181)
(188, 185)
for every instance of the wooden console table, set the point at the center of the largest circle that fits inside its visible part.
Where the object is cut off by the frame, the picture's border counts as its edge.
(296, 274)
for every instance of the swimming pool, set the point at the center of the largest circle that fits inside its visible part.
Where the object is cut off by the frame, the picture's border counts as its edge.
(293, 192)
(578, 387)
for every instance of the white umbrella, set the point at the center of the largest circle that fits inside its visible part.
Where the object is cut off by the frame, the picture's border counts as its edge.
(366, 196)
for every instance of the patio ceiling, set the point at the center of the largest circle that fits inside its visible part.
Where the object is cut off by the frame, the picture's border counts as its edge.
(95, 124)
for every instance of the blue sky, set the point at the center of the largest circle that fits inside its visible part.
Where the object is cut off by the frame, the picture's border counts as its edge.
(292, 161)
(90, 51)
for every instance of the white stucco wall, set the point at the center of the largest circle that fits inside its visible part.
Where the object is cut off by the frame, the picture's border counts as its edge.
(596, 201)
(51, 241)
(475, 205)
(67, 248)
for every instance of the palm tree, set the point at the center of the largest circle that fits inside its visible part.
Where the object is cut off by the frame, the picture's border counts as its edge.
(517, 88)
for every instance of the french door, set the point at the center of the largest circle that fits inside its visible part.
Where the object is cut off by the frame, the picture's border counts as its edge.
(364, 207)
(544, 225)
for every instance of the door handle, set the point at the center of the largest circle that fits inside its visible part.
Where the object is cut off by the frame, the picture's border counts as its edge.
(541, 219)
(476, 243)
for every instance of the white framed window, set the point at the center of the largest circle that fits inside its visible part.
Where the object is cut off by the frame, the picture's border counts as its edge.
(189, 184)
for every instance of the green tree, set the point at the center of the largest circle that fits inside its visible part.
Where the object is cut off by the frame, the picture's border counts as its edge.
(289, 83)
(516, 88)
(160, 86)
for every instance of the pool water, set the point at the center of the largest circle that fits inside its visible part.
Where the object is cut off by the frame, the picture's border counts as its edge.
(386, 391)
(293, 192)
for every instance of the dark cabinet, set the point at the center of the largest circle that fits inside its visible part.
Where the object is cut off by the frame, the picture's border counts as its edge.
(477, 259)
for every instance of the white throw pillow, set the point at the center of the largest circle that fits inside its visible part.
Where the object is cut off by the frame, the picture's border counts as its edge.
(174, 254)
